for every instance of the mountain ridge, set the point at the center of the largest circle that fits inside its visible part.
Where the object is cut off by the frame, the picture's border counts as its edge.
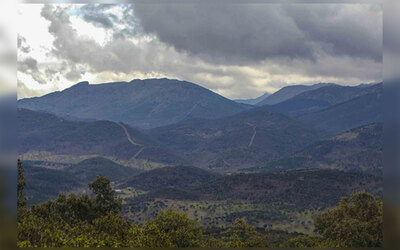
(356, 112)
(142, 103)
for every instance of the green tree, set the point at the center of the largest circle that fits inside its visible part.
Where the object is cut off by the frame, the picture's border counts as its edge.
(356, 222)
(245, 235)
(106, 200)
(73, 208)
(168, 229)
(21, 200)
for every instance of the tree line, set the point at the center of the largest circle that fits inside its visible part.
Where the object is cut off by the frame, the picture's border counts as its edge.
(96, 221)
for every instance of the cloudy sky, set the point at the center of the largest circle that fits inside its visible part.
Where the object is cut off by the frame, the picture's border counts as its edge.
(236, 50)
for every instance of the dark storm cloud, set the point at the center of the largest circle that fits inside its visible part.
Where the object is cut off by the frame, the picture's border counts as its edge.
(239, 33)
(339, 31)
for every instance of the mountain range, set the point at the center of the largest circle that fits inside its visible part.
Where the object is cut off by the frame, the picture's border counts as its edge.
(225, 142)
(276, 160)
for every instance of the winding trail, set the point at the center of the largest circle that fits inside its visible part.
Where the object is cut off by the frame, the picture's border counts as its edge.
(128, 136)
(254, 134)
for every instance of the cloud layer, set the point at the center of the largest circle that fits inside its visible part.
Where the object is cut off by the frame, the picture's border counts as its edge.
(237, 50)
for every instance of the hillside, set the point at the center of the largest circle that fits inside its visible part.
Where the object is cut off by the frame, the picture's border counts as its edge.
(167, 177)
(87, 170)
(301, 189)
(288, 92)
(243, 140)
(323, 97)
(141, 103)
(38, 131)
(344, 116)
(359, 149)
(305, 188)
(284, 200)
(43, 184)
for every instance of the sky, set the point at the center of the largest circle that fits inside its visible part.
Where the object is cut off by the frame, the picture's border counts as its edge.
(236, 50)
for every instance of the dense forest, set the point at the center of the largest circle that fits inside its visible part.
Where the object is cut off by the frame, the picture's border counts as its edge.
(95, 220)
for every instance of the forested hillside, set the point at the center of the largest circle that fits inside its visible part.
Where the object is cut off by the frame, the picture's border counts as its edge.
(356, 150)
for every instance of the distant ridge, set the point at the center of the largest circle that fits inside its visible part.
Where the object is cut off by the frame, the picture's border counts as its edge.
(288, 92)
(359, 111)
(320, 98)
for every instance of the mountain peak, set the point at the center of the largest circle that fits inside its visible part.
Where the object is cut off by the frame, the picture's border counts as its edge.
(145, 103)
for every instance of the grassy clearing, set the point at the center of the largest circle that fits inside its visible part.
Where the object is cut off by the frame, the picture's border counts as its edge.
(46, 156)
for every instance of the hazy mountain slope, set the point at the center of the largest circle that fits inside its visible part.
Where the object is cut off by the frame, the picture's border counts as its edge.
(288, 92)
(179, 176)
(314, 100)
(253, 101)
(245, 139)
(87, 170)
(141, 103)
(344, 116)
(359, 149)
(39, 131)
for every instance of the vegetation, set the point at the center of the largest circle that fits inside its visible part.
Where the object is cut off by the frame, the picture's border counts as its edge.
(95, 221)
(177, 176)
(87, 170)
